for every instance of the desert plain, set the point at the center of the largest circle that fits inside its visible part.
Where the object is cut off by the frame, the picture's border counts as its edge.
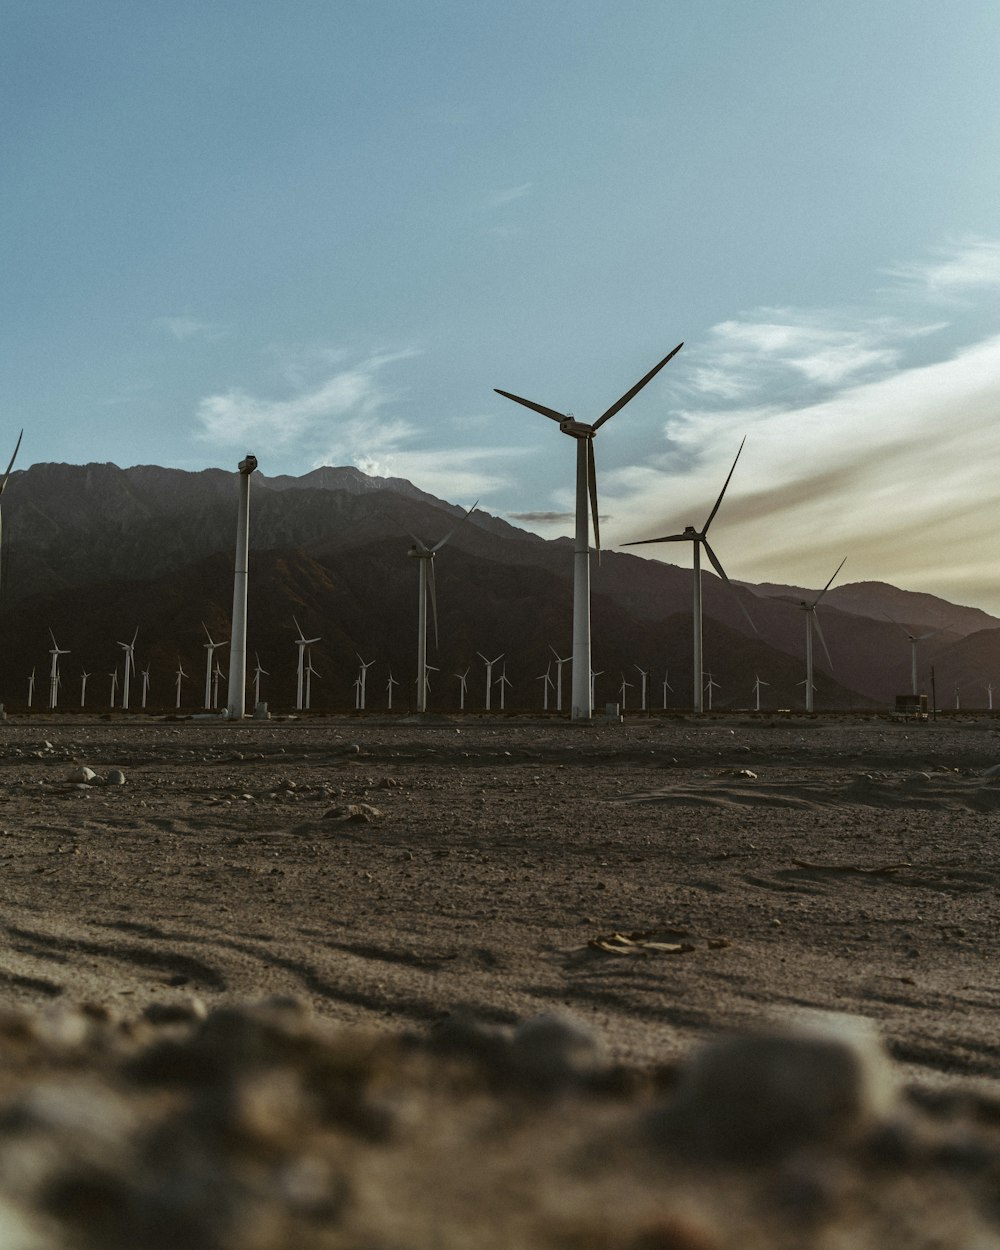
(403, 983)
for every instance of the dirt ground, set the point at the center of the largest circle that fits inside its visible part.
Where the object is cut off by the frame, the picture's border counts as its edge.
(504, 944)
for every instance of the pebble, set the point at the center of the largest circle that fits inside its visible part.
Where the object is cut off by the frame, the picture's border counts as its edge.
(81, 775)
(115, 777)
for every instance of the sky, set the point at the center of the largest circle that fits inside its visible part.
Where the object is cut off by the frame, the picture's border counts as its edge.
(325, 230)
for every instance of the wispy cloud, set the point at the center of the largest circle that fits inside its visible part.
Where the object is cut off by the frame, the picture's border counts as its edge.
(184, 328)
(346, 417)
(959, 267)
(506, 195)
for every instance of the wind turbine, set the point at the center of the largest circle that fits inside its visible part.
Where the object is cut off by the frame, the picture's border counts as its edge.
(217, 676)
(463, 680)
(699, 539)
(3, 484)
(179, 676)
(301, 642)
(210, 647)
(560, 661)
(129, 649)
(547, 685)
(757, 683)
(428, 668)
(114, 685)
(236, 704)
(389, 685)
(586, 508)
(710, 685)
(989, 696)
(362, 681)
(593, 678)
(310, 673)
(31, 687)
(811, 618)
(644, 673)
(258, 673)
(503, 682)
(55, 652)
(626, 685)
(426, 586)
(145, 685)
(83, 687)
(666, 686)
(489, 673)
(914, 639)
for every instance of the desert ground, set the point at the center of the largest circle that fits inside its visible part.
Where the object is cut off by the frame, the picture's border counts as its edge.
(353, 982)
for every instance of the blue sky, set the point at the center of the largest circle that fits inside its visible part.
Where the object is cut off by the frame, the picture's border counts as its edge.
(325, 231)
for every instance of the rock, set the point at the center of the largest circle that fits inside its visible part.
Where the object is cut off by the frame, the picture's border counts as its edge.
(115, 777)
(553, 1050)
(360, 813)
(81, 775)
(762, 1095)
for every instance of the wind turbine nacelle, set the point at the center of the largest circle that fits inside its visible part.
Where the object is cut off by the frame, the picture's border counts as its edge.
(247, 466)
(576, 429)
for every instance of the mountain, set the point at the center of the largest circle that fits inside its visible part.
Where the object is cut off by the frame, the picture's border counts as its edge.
(93, 551)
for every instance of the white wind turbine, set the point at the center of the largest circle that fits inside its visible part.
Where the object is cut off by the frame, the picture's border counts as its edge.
(236, 704)
(426, 587)
(586, 508)
(258, 673)
(593, 678)
(3, 484)
(547, 685)
(210, 648)
(145, 685)
(666, 686)
(989, 696)
(217, 676)
(644, 674)
(363, 681)
(301, 642)
(179, 677)
(503, 682)
(55, 652)
(310, 673)
(31, 687)
(626, 685)
(757, 683)
(914, 639)
(560, 661)
(388, 686)
(114, 685)
(129, 649)
(463, 686)
(489, 674)
(699, 539)
(428, 668)
(83, 687)
(710, 685)
(811, 619)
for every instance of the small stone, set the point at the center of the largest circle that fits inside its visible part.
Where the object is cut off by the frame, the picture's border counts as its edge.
(81, 775)
(115, 777)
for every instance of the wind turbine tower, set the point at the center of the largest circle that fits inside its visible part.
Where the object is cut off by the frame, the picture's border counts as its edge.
(210, 647)
(586, 508)
(237, 703)
(129, 649)
(489, 674)
(3, 484)
(83, 687)
(179, 677)
(914, 639)
(560, 661)
(698, 539)
(301, 642)
(811, 618)
(258, 673)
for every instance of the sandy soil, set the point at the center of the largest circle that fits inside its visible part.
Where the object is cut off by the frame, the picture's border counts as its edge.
(503, 946)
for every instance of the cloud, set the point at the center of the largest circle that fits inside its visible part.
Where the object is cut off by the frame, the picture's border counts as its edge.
(345, 417)
(543, 518)
(507, 195)
(958, 267)
(184, 328)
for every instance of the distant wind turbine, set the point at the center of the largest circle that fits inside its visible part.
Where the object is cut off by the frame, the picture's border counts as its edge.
(310, 673)
(586, 508)
(463, 685)
(626, 685)
(426, 587)
(179, 675)
(547, 685)
(31, 687)
(489, 674)
(593, 678)
(217, 676)
(757, 683)
(363, 681)
(710, 685)
(560, 661)
(55, 652)
(698, 539)
(114, 685)
(129, 649)
(666, 686)
(258, 673)
(503, 682)
(83, 687)
(210, 648)
(914, 639)
(644, 673)
(813, 619)
(236, 703)
(301, 642)
(389, 685)
(145, 685)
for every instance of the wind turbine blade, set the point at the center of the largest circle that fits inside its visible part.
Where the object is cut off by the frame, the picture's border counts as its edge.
(546, 412)
(830, 582)
(819, 630)
(617, 407)
(722, 573)
(902, 627)
(592, 488)
(432, 587)
(718, 502)
(667, 538)
(3, 484)
(135, 636)
(447, 536)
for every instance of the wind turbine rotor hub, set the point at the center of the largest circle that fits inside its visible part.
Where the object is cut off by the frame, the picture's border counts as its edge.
(576, 429)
